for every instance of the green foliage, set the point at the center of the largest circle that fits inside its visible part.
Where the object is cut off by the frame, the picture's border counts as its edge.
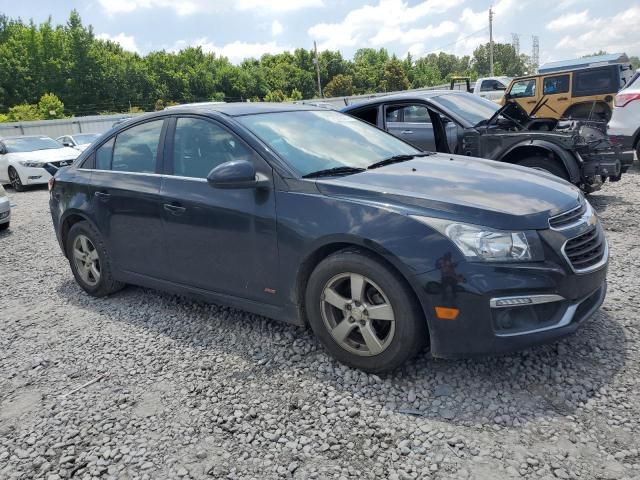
(23, 112)
(339, 86)
(505, 60)
(90, 76)
(635, 61)
(50, 107)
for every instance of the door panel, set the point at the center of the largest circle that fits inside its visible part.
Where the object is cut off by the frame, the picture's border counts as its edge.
(412, 124)
(221, 240)
(557, 96)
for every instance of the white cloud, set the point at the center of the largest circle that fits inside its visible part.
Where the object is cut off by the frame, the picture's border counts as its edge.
(262, 6)
(276, 28)
(128, 42)
(387, 21)
(234, 51)
(569, 20)
(189, 7)
(478, 20)
(618, 33)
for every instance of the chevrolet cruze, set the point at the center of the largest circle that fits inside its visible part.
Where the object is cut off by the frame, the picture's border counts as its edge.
(312, 217)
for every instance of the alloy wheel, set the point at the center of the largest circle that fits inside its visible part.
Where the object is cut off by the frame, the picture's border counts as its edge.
(14, 178)
(87, 260)
(357, 314)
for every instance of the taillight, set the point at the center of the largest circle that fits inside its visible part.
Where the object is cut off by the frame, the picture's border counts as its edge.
(51, 183)
(623, 99)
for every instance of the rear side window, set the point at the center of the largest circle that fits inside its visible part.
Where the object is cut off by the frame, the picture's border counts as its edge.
(103, 156)
(557, 84)
(523, 88)
(491, 86)
(369, 115)
(136, 148)
(594, 82)
(201, 145)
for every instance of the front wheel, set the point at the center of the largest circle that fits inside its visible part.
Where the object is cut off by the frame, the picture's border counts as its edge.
(89, 260)
(363, 312)
(14, 178)
(4, 226)
(546, 165)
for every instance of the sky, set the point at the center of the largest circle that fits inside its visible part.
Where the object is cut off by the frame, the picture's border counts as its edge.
(249, 28)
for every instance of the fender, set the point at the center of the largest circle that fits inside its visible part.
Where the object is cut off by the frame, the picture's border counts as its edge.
(568, 159)
(64, 217)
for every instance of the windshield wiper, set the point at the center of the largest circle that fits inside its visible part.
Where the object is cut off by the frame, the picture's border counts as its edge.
(334, 171)
(397, 159)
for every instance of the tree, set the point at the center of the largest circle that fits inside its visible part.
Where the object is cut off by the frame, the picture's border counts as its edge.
(510, 63)
(394, 78)
(339, 86)
(23, 112)
(635, 62)
(275, 96)
(50, 107)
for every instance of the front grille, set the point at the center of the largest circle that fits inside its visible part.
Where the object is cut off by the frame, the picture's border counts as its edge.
(568, 219)
(61, 163)
(587, 250)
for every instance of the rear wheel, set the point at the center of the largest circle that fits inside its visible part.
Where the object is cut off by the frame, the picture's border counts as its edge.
(363, 312)
(4, 226)
(89, 260)
(14, 178)
(546, 165)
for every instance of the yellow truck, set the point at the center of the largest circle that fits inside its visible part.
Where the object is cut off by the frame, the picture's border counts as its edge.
(578, 89)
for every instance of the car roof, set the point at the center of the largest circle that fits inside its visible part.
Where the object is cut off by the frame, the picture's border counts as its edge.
(241, 108)
(403, 97)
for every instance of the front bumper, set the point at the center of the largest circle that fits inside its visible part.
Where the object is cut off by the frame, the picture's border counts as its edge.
(504, 308)
(600, 165)
(5, 210)
(33, 175)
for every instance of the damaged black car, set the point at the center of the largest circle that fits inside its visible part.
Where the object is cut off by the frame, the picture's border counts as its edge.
(460, 123)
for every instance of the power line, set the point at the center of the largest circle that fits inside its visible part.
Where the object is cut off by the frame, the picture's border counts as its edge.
(483, 29)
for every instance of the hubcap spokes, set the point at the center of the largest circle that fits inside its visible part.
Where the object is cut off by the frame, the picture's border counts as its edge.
(357, 314)
(87, 260)
(14, 179)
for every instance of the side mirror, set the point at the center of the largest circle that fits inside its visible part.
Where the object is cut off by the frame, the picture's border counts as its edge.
(236, 174)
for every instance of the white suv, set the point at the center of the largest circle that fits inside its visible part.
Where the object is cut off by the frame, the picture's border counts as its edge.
(624, 127)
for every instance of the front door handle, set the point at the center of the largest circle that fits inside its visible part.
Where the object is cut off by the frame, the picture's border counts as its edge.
(103, 197)
(174, 209)
(563, 98)
(406, 132)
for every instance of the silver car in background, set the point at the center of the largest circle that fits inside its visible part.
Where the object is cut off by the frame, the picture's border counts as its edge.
(5, 209)
(79, 141)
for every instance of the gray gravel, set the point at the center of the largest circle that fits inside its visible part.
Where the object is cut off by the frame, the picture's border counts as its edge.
(188, 390)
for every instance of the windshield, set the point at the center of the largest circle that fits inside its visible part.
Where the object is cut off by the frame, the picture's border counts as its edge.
(472, 108)
(310, 141)
(30, 144)
(83, 138)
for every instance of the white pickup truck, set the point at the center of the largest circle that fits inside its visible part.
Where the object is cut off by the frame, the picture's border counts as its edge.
(491, 88)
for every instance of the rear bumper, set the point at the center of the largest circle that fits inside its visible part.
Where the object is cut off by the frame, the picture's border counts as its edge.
(598, 166)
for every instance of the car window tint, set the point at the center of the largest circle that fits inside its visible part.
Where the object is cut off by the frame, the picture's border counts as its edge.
(393, 113)
(489, 86)
(524, 88)
(136, 148)
(553, 85)
(369, 115)
(201, 145)
(416, 114)
(593, 82)
(103, 156)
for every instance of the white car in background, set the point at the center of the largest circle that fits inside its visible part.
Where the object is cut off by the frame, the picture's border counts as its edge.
(79, 141)
(5, 209)
(22, 159)
(624, 126)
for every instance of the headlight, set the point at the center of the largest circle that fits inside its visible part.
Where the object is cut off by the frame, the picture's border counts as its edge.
(31, 164)
(482, 243)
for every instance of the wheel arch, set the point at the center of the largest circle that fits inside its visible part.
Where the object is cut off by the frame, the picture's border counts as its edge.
(378, 252)
(69, 220)
(587, 107)
(546, 149)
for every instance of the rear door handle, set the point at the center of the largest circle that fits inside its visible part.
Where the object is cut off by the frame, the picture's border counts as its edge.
(406, 132)
(174, 209)
(103, 197)
(532, 101)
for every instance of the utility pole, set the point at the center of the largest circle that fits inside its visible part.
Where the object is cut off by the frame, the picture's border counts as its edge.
(491, 41)
(317, 62)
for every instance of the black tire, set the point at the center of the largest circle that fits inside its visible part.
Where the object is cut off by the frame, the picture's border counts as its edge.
(409, 332)
(4, 226)
(16, 183)
(546, 164)
(105, 285)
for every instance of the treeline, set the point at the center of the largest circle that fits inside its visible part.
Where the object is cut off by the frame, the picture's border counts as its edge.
(93, 76)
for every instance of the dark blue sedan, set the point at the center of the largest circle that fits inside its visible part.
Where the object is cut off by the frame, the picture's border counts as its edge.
(313, 217)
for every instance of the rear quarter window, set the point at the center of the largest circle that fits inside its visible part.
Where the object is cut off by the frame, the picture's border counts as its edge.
(594, 82)
(369, 115)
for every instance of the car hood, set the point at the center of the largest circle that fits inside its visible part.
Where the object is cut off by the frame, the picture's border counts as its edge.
(461, 188)
(50, 155)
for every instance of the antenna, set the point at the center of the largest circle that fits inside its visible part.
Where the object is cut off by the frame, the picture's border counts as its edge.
(535, 53)
(515, 42)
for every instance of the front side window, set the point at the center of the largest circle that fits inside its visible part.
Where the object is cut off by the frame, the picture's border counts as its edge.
(315, 140)
(523, 88)
(201, 145)
(136, 148)
(103, 156)
(553, 85)
(407, 114)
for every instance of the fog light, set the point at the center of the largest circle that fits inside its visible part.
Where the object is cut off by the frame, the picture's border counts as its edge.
(35, 177)
(510, 302)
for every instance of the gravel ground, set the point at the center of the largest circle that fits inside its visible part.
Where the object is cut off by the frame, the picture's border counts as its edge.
(189, 390)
